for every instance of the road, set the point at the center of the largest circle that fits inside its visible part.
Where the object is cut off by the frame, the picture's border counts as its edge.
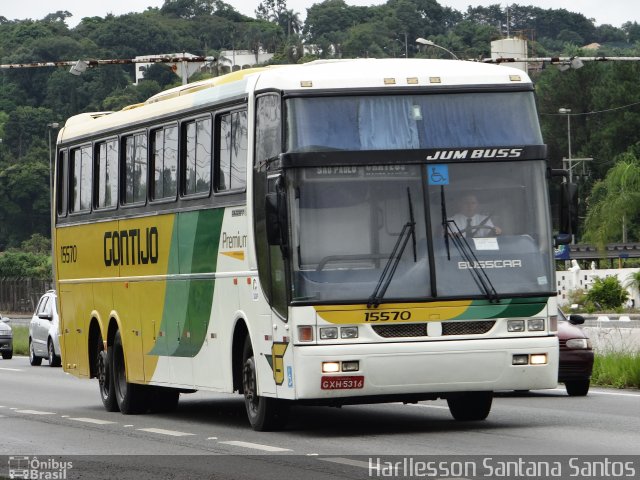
(45, 412)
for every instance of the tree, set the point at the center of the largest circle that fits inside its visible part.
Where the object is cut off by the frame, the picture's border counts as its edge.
(614, 203)
(607, 293)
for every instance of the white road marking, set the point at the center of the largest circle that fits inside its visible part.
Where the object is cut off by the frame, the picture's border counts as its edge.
(256, 446)
(35, 412)
(127, 426)
(212, 438)
(95, 421)
(11, 369)
(162, 431)
(348, 461)
(596, 392)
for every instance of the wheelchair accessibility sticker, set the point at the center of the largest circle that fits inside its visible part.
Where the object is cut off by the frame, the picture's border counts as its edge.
(438, 174)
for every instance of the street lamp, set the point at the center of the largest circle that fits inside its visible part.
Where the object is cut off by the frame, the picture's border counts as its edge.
(429, 43)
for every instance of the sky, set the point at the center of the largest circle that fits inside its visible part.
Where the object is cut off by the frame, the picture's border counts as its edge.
(614, 12)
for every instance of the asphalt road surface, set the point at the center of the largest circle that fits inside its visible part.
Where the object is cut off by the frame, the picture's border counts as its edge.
(56, 417)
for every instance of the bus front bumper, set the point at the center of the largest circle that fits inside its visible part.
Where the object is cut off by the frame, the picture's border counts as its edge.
(408, 368)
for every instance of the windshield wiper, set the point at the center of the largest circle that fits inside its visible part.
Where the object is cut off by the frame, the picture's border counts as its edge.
(476, 269)
(408, 231)
(451, 230)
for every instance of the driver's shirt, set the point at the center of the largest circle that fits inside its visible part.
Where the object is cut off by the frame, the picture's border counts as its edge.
(466, 224)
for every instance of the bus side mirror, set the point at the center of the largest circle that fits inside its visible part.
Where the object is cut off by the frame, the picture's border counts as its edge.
(562, 239)
(276, 215)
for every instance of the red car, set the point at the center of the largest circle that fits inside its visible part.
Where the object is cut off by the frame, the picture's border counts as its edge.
(576, 355)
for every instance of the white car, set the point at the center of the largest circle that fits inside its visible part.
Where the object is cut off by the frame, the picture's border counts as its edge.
(43, 332)
(6, 338)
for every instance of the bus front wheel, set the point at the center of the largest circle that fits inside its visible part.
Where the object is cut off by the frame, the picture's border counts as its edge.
(470, 406)
(131, 398)
(264, 413)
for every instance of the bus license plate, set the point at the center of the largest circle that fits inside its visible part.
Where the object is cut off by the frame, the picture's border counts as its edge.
(342, 383)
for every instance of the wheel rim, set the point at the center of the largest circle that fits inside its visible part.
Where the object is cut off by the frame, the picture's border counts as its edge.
(32, 354)
(102, 374)
(249, 386)
(51, 355)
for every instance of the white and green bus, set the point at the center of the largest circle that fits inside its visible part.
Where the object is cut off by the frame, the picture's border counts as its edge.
(290, 233)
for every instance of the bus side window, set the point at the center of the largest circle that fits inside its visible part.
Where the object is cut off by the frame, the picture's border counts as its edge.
(106, 168)
(80, 178)
(196, 168)
(135, 169)
(164, 163)
(232, 151)
(61, 184)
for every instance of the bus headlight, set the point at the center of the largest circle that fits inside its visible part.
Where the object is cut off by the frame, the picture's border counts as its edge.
(328, 333)
(538, 359)
(349, 332)
(535, 324)
(330, 367)
(515, 326)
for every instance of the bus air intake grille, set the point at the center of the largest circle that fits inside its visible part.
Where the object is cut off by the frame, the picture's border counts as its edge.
(420, 329)
(467, 328)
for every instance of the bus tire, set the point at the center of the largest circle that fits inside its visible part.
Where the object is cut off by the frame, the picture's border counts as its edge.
(264, 413)
(470, 406)
(131, 398)
(105, 378)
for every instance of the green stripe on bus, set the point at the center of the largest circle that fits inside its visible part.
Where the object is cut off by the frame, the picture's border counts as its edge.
(508, 307)
(187, 303)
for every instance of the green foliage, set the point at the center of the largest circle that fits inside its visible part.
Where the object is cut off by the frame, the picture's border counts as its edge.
(15, 264)
(616, 369)
(37, 244)
(607, 293)
(633, 281)
(20, 339)
(614, 204)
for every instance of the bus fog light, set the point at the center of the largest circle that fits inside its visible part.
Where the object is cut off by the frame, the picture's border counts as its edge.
(352, 366)
(515, 326)
(305, 333)
(539, 359)
(328, 333)
(535, 324)
(349, 332)
(330, 367)
(520, 360)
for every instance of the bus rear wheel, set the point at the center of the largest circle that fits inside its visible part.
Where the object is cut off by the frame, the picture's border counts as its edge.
(264, 413)
(105, 378)
(131, 398)
(470, 406)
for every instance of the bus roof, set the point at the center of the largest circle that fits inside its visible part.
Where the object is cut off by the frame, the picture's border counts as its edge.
(317, 75)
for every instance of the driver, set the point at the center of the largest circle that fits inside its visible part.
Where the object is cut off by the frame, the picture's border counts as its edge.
(471, 223)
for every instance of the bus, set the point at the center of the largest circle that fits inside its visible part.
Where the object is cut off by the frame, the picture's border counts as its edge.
(289, 233)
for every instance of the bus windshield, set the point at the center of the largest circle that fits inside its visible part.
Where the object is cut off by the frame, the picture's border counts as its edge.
(398, 122)
(346, 221)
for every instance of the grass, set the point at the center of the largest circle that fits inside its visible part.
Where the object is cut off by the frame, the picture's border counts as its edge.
(616, 369)
(20, 340)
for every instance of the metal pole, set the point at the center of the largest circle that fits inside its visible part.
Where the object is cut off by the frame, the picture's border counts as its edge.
(569, 143)
(406, 46)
